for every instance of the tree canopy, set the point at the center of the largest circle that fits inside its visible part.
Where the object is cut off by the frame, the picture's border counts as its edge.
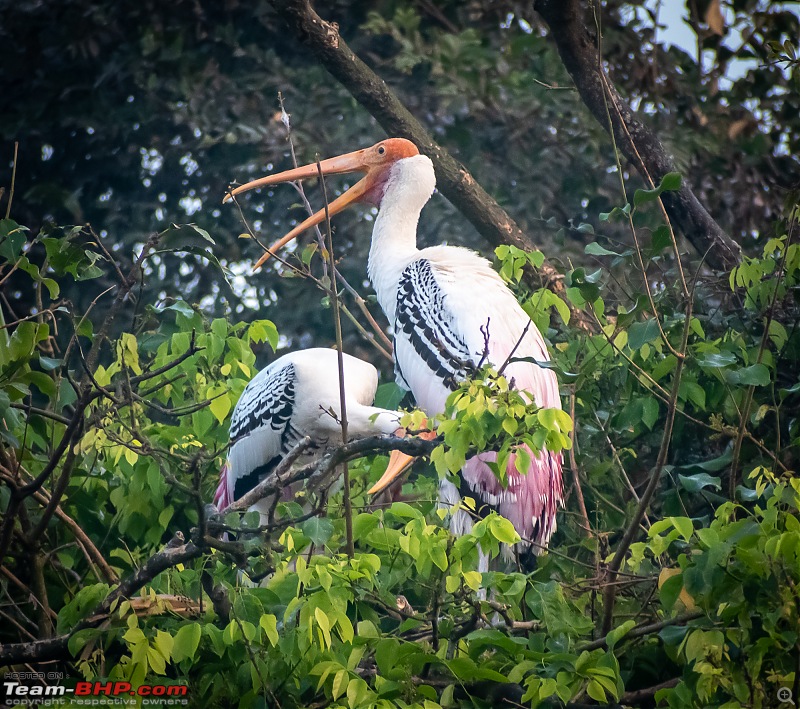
(640, 200)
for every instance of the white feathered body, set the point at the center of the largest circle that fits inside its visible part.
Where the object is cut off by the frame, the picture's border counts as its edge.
(297, 395)
(450, 310)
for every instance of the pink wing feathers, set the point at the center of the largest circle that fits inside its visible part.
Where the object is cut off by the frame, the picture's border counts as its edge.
(223, 497)
(467, 309)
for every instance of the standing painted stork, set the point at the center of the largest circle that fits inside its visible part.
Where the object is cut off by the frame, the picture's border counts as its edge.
(439, 301)
(297, 396)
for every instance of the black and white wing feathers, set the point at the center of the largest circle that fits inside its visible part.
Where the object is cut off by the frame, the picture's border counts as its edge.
(428, 328)
(261, 427)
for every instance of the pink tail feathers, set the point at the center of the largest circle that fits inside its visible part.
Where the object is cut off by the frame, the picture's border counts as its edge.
(528, 501)
(222, 497)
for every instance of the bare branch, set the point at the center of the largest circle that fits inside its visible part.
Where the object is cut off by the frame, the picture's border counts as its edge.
(579, 53)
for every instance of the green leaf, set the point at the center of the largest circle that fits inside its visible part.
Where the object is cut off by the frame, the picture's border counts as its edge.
(156, 661)
(503, 530)
(185, 642)
(324, 624)
(619, 632)
(22, 341)
(220, 403)
(693, 392)
(318, 529)
(473, 579)
(386, 655)
(12, 239)
(670, 590)
(202, 233)
(660, 239)
(269, 623)
(363, 524)
(670, 182)
(716, 360)
(439, 557)
(594, 689)
(48, 364)
(463, 668)
(650, 412)
(78, 640)
(684, 526)
(389, 396)
(404, 511)
(673, 635)
(594, 249)
(615, 212)
(357, 692)
(778, 334)
(754, 375)
(340, 682)
(641, 333)
(695, 483)
(264, 331)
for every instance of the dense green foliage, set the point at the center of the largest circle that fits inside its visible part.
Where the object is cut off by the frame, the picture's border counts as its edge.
(152, 438)
(123, 354)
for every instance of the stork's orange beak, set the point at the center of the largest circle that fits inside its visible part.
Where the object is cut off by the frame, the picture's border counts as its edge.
(399, 462)
(374, 162)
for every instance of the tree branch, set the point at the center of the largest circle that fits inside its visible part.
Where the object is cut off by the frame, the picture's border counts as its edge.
(643, 630)
(579, 53)
(319, 470)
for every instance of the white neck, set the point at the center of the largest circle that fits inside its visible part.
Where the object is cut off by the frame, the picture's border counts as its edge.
(371, 421)
(394, 238)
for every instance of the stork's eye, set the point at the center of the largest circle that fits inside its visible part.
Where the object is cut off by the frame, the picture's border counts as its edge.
(381, 150)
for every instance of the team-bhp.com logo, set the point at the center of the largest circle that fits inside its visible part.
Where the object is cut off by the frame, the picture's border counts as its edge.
(93, 693)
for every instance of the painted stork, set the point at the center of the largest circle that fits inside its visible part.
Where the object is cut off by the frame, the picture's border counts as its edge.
(441, 300)
(297, 395)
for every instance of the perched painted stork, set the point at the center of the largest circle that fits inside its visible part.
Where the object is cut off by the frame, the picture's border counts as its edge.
(297, 395)
(450, 310)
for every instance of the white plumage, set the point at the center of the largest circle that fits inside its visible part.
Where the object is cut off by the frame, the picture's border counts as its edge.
(297, 395)
(450, 311)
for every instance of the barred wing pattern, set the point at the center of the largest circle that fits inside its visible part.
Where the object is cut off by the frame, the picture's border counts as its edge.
(444, 323)
(427, 326)
(266, 401)
(261, 432)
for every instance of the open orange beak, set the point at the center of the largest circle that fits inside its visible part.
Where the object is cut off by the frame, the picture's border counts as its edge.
(399, 462)
(375, 162)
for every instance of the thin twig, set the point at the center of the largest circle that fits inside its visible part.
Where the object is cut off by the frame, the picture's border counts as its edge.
(748, 400)
(13, 180)
(576, 476)
(609, 592)
(337, 322)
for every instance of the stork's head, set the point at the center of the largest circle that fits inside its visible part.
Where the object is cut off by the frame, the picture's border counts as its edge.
(378, 164)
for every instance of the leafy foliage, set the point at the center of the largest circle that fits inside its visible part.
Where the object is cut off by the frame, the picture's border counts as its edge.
(411, 607)
(120, 365)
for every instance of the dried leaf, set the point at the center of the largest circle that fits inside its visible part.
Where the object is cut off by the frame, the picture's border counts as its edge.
(714, 18)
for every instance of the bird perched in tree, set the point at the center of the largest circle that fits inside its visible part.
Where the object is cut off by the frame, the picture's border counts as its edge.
(297, 395)
(450, 311)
